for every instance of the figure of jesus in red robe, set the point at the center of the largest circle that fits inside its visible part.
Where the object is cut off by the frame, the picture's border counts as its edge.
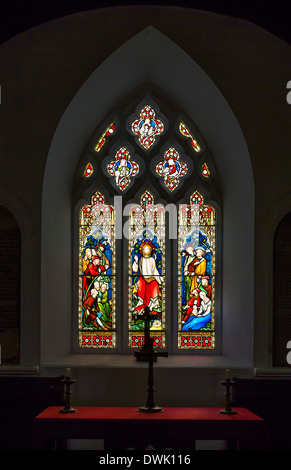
(148, 284)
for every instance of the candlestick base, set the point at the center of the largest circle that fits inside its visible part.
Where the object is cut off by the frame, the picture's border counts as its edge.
(68, 410)
(227, 412)
(148, 409)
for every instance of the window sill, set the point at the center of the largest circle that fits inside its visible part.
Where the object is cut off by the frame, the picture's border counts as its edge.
(128, 361)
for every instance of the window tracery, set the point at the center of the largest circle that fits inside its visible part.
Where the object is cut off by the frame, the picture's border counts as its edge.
(148, 280)
(171, 169)
(122, 168)
(147, 127)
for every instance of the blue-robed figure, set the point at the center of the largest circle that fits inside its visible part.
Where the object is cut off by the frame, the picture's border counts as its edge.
(196, 282)
(201, 314)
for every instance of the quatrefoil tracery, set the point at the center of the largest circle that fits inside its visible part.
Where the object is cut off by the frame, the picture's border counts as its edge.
(147, 127)
(171, 169)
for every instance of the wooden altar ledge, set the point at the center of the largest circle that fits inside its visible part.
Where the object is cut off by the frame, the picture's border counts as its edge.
(125, 427)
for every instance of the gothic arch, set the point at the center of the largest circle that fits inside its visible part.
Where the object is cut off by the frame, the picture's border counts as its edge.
(29, 322)
(265, 298)
(198, 96)
(281, 325)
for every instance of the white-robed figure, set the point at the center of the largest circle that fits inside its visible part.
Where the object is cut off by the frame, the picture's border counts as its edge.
(122, 171)
(147, 127)
(149, 281)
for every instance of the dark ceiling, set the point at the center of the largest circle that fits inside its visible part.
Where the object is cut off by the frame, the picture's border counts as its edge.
(17, 16)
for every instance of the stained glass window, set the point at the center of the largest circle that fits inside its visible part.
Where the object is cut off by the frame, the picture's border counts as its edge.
(196, 266)
(122, 168)
(147, 127)
(185, 132)
(110, 129)
(97, 274)
(88, 170)
(171, 169)
(148, 146)
(147, 270)
(205, 170)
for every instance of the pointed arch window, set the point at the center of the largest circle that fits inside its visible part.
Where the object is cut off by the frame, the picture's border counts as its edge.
(156, 160)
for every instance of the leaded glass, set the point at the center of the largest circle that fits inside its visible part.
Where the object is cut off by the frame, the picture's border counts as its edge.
(88, 170)
(205, 170)
(108, 131)
(171, 169)
(186, 133)
(196, 273)
(122, 168)
(195, 289)
(147, 127)
(97, 274)
(146, 270)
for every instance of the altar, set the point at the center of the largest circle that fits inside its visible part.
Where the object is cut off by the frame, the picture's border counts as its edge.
(124, 428)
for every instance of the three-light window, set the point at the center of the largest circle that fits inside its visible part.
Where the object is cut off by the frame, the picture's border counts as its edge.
(162, 170)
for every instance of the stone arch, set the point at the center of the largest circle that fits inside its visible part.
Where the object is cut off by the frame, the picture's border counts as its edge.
(199, 97)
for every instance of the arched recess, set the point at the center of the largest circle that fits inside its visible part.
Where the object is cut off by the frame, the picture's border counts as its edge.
(281, 292)
(200, 99)
(29, 299)
(265, 288)
(10, 262)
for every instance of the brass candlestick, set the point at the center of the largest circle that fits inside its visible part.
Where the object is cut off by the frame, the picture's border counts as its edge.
(68, 381)
(227, 409)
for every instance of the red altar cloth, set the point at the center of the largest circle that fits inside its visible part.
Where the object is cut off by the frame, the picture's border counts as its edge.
(126, 426)
(132, 413)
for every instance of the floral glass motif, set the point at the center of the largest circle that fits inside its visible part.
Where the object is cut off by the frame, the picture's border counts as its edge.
(97, 274)
(147, 127)
(146, 270)
(205, 171)
(186, 133)
(196, 274)
(88, 170)
(171, 168)
(122, 168)
(109, 131)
